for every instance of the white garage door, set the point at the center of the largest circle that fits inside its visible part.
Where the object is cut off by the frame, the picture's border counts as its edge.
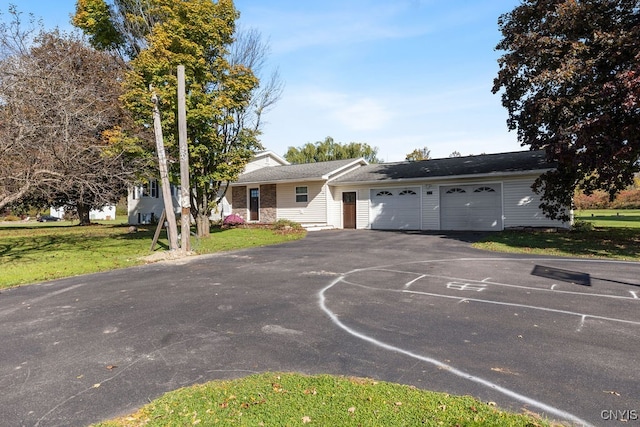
(471, 207)
(395, 208)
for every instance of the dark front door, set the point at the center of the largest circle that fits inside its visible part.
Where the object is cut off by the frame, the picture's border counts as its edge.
(254, 204)
(349, 210)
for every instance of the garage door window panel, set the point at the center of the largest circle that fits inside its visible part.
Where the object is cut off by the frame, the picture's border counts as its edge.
(484, 190)
(456, 191)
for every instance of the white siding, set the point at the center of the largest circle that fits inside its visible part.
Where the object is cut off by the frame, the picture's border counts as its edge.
(260, 163)
(334, 207)
(521, 205)
(430, 207)
(264, 160)
(362, 208)
(314, 211)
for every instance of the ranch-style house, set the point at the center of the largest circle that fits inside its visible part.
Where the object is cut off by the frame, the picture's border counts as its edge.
(484, 192)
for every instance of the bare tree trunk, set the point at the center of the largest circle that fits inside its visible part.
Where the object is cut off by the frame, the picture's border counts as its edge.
(203, 225)
(83, 214)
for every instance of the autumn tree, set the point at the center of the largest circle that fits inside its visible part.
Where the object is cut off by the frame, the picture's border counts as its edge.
(328, 149)
(419, 154)
(62, 127)
(120, 26)
(570, 80)
(225, 100)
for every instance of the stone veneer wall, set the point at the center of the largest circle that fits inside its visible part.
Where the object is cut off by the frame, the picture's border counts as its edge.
(268, 211)
(239, 201)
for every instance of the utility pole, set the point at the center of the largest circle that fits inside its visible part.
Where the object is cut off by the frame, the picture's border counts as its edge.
(185, 190)
(172, 229)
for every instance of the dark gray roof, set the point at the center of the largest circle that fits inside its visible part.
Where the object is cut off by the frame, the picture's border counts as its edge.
(520, 161)
(301, 172)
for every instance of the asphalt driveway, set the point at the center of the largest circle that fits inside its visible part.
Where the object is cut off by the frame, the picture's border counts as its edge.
(549, 335)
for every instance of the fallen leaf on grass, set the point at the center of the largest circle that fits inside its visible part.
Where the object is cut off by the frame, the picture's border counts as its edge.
(306, 419)
(277, 388)
(351, 410)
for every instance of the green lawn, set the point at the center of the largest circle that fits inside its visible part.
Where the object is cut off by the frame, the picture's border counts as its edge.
(616, 235)
(610, 218)
(273, 399)
(35, 252)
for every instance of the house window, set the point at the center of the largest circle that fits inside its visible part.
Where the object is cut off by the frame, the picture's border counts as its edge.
(148, 189)
(383, 193)
(407, 193)
(302, 194)
(455, 190)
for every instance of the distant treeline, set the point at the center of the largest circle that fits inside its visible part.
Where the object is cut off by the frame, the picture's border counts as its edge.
(626, 199)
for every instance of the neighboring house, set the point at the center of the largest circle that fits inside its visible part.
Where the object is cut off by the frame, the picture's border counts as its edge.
(485, 192)
(145, 203)
(106, 213)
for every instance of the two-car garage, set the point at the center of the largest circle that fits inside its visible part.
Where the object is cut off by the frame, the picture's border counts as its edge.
(461, 207)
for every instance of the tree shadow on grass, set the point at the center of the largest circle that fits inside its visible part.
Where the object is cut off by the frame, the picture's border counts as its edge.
(58, 239)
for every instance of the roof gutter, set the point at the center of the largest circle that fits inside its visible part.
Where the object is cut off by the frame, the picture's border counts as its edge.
(278, 181)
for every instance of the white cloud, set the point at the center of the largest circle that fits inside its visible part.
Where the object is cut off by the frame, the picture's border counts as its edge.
(351, 112)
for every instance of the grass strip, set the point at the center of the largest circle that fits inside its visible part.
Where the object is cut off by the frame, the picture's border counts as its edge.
(279, 399)
(626, 218)
(35, 253)
(600, 243)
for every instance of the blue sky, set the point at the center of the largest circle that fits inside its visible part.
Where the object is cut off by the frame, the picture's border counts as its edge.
(397, 75)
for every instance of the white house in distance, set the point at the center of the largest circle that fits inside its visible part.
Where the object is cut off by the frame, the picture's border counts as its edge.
(106, 213)
(486, 192)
